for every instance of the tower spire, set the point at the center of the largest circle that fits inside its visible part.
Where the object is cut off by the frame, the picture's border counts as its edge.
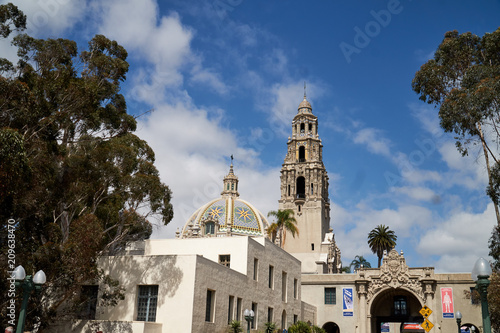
(304, 89)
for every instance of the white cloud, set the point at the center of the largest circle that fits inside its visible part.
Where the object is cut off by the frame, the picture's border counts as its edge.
(459, 240)
(353, 225)
(418, 193)
(374, 141)
(161, 40)
(51, 17)
(192, 155)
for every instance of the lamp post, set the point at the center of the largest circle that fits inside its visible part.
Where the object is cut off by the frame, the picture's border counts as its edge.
(27, 283)
(249, 315)
(458, 315)
(480, 273)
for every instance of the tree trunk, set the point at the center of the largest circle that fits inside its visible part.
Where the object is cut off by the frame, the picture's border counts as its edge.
(488, 169)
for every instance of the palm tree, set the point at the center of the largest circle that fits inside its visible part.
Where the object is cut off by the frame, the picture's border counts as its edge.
(285, 221)
(358, 262)
(381, 238)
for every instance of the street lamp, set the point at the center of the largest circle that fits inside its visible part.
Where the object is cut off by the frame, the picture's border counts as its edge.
(480, 273)
(458, 315)
(249, 315)
(28, 284)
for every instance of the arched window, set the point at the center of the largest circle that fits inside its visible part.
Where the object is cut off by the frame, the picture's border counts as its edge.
(312, 188)
(210, 228)
(288, 190)
(310, 127)
(302, 127)
(283, 320)
(302, 154)
(301, 187)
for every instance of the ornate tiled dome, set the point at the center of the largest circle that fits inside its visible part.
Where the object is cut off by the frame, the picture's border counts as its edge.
(226, 216)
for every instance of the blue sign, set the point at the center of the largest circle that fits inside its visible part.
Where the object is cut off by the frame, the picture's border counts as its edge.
(347, 302)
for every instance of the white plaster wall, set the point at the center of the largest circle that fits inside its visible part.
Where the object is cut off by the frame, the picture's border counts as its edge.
(209, 247)
(174, 276)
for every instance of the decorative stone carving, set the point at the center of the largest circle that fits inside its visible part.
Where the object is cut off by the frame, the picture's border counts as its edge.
(334, 257)
(394, 273)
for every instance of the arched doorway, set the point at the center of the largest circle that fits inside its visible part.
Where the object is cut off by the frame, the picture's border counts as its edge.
(394, 307)
(331, 327)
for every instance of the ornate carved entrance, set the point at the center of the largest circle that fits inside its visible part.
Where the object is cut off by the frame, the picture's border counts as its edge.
(394, 293)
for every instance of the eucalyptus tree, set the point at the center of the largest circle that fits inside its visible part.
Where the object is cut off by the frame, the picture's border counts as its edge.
(74, 177)
(463, 80)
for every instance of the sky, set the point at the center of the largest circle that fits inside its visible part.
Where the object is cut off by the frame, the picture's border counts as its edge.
(214, 78)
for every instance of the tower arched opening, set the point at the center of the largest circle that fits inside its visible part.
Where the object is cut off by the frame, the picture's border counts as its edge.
(301, 188)
(302, 154)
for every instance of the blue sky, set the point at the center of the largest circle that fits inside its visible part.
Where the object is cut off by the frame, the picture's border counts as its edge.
(226, 77)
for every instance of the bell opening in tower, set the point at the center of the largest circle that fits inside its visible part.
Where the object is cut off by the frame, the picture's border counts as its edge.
(301, 188)
(302, 154)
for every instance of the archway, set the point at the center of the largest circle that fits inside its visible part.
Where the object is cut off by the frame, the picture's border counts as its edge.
(331, 327)
(301, 187)
(396, 306)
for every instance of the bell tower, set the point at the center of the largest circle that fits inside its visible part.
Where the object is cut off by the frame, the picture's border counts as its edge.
(304, 188)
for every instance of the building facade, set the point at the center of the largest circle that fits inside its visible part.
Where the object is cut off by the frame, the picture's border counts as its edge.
(171, 287)
(222, 262)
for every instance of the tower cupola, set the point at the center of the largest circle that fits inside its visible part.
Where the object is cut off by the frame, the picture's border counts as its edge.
(230, 183)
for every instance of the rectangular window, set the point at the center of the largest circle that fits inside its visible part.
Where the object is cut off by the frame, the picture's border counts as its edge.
(238, 309)
(295, 318)
(283, 286)
(271, 277)
(146, 305)
(88, 302)
(230, 314)
(330, 296)
(209, 312)
(295, 288)
(400, 308)
(225, 260)
(255, 268)
(270, 315)
(255, 318)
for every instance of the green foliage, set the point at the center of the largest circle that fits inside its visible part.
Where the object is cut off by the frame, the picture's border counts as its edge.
(300, 327)
(494, 301)
(359, 261)
(73, 175)
(494, 246)
(10, 16)
(285, 221)
(270, 327)
(316, 329)
(235, 327)
(381, 239)
(463, 79)
(346, 269)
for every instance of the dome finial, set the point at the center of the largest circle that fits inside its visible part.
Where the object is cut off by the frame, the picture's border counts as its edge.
(230, 184)
(304, 89)
(231, 166)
